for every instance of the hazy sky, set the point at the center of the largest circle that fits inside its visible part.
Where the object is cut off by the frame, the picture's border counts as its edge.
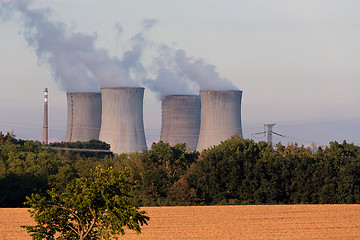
(297, 61)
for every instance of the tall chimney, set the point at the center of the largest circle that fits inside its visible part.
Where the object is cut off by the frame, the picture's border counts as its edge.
(45, 128)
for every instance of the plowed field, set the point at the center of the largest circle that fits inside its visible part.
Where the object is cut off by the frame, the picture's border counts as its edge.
(227, 222)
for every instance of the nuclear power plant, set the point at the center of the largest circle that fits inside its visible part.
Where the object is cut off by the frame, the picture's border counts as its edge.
(220, 117)
(181, 120)
(122, 123)
(115, 116)
(84, 116)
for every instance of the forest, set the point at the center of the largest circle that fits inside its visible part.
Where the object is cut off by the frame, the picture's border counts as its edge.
(237, 171)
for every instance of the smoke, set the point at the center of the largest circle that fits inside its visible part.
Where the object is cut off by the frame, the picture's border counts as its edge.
(76, 64)
(118, 27)
(166, 79)
(176, 73)
(54, 45)
(205, 75)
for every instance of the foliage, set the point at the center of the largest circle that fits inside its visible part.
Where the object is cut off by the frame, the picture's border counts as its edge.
(77, 147)
(237, 171)
(92, 144)
(95, 207)
(26, 167)
(157, 170)
(246, 172)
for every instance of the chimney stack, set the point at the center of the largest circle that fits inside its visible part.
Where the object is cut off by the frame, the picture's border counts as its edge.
(45, 128)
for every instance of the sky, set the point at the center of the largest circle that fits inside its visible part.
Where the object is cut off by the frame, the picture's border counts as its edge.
(297, 62)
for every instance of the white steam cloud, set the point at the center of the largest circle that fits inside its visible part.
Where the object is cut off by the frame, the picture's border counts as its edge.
(76, 64)
(167, 79)
(176, 73)
(205, 75)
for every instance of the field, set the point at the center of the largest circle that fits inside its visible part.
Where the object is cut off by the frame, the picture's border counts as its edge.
(227, 222)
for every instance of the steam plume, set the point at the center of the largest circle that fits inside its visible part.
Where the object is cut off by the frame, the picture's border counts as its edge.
(176, 73)
(76, 64)
(205, 75)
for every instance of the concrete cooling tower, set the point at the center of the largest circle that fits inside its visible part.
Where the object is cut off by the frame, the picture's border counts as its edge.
(181, 120)
(220, 116)
(122, 119)
(84, 116)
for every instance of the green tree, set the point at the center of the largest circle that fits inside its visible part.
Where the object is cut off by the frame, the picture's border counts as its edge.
(156, 170)
(219, 173)
(97, 207)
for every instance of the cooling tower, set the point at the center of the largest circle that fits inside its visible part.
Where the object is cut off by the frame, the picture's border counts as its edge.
(84, 116)
(220, 116)
(181, 120)
(122, 119)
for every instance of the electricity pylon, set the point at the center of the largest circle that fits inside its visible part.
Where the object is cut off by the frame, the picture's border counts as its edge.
(269, 132)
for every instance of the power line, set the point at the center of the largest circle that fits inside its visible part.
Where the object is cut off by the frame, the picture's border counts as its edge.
(268, 132)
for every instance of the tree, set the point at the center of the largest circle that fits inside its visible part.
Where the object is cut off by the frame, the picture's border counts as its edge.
(219, 173)
(96, 207)
(157, 170)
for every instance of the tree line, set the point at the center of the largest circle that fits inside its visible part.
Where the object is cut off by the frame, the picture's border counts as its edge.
(237, 171)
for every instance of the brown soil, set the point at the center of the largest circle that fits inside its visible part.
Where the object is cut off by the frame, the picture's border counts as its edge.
(227, 222)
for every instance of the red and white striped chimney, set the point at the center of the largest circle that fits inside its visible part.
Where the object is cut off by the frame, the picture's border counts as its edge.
(45, 128)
